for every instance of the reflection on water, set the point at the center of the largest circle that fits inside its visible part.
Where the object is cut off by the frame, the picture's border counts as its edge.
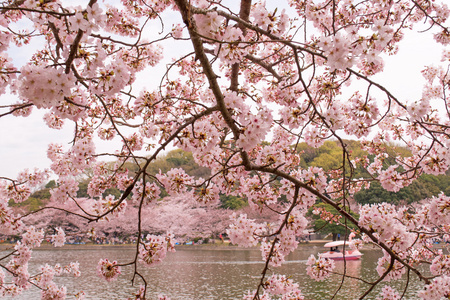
(207, 274)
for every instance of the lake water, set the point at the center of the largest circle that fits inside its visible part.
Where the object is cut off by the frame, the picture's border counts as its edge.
(193, 273)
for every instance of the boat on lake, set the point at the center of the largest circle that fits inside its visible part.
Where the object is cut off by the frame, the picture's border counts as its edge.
(337, 253)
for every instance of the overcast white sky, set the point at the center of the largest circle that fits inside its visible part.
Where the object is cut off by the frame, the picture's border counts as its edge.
(23, 141)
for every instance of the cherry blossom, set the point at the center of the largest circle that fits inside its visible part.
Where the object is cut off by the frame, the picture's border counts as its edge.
(47, 275)
(437, 289)
(176, 181)
(109, 270)
(244, 232)
(320, 268)
(395, 273)
(243, 88)
(53, 292)
(59, 239)
(45, 88)
(440, 264)
(32, 238)
(155, 248)
(280, 285)
(388, 292)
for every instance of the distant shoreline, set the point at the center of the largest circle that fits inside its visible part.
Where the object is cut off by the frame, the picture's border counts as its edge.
(216, 246)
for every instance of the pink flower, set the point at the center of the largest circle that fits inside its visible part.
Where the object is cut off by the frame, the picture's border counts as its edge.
(108, 270)
(388, 293)
(177, 31)
(47, 275)
(277, 255)
(78, 22)
(52, 292)
(59, 238)
(150, 194)
(44, 87)
(154, 250)
(383, 264)
(319, 269)
(75, 268)
(23, 254)
(261, 16)
(244, 232)
(438, 288)
(209, 24)
(139, 295)
(176, 181)
(32, 238)
(282, 285)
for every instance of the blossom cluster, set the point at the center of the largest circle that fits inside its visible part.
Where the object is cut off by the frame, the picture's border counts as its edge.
(150, 193)
(154, 249)
(18, 265)
(244, 232)
(384, 263)
(319, 268)
(44, 87)
(281, 285)
(385, 221)
(244, 92)
(176, 181)
(109, 270)
(286, 242)
(59, 238)
(388, 293)
(440, 287)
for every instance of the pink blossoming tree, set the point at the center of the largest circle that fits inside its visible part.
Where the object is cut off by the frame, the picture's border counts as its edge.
(243, 85)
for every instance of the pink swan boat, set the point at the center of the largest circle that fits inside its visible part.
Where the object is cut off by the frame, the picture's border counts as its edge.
(337, 254)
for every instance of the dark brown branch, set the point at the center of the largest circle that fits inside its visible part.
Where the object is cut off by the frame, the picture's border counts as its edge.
(244, 14)
(185, 10)
(60, 209)
(17, 108)
(75, 44)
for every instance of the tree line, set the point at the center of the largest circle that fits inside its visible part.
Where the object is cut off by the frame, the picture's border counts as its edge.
(326, 156)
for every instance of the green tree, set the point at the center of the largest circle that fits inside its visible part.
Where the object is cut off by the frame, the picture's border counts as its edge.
(42, 194)
(326, 227)
(424, 187)
(51, 184)
(178, 159)
(326, 161)
(82, 189)
(31, 204)
(232, 202)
